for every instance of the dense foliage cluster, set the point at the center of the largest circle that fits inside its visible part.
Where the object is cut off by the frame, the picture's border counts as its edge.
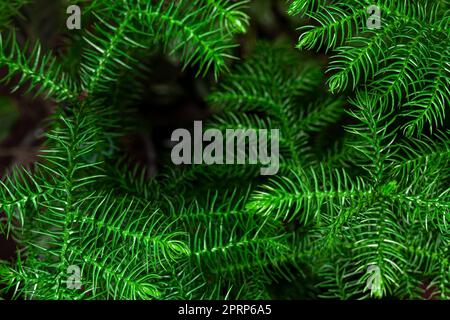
(364, 171)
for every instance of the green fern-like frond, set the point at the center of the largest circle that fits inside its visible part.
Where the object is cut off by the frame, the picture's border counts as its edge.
(189, 30)
(107, 53)
(291, 198)
(358, 208)
(9, 10)
(233, 19)
(39, 73)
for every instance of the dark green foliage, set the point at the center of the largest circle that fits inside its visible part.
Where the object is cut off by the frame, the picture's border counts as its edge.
(405, 63)
(9, 10)
(40, 71)
(364, 159)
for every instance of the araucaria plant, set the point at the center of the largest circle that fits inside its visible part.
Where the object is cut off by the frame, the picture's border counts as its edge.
(359, 206)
